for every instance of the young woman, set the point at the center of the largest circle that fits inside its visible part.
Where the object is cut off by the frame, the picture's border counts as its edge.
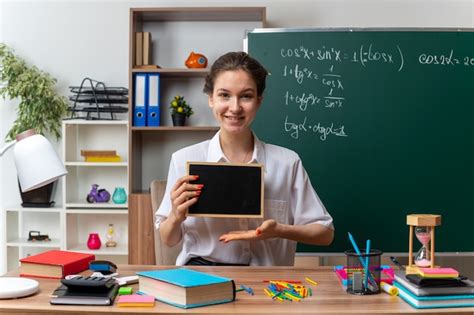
(293, 211)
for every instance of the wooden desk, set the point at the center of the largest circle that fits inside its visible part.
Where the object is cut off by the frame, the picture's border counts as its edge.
(328, 296)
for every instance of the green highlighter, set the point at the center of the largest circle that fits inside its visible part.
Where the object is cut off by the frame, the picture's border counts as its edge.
(125, 291)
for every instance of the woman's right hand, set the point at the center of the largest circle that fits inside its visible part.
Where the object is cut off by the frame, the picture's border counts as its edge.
(183, 196)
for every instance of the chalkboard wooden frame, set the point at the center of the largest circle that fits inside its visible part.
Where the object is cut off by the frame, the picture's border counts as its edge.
(238, 189)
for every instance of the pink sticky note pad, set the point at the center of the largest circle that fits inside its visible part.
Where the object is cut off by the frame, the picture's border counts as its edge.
(439, 271)
(136, 298)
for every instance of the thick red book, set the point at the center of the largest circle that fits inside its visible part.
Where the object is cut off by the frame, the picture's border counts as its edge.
(55, 264)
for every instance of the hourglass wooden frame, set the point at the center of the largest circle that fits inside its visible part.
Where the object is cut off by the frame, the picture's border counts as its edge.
(430, 220)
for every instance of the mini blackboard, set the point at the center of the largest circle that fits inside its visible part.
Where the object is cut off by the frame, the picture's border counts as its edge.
(230, 190)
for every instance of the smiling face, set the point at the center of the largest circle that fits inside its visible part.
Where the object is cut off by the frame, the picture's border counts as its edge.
(234, 100)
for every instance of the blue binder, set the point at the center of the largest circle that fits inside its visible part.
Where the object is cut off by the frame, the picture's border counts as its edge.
(139, 101)
(153, 104)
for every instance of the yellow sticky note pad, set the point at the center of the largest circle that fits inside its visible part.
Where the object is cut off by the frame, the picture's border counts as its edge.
(136, 300)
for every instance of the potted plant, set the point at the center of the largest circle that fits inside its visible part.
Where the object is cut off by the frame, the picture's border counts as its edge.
(180, 110)
(39, 108)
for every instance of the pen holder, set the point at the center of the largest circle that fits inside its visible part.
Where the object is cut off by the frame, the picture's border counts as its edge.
(356, 271)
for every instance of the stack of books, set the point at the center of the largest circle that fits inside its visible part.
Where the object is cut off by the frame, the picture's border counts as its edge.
(433, 289)
(143, 53)
(100, 156)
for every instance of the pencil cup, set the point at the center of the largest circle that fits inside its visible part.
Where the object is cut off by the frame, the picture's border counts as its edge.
(363, 279)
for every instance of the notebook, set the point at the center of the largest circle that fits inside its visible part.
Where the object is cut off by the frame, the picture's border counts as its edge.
(437, 301)
(466, 288)
(63, 296)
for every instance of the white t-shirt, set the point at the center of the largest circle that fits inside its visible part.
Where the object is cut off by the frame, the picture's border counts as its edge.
(289, 199)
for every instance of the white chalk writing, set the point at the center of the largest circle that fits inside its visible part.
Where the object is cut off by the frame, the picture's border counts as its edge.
(302, 100)
(364, 55)
(295, 128)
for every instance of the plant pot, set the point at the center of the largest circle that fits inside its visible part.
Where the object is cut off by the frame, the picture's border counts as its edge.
(38, 198)
(178, 119)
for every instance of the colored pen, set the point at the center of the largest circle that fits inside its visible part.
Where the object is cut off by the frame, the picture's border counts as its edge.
(397, 263)
(367, 252)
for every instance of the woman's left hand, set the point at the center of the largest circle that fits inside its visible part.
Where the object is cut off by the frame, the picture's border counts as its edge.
(268, 229)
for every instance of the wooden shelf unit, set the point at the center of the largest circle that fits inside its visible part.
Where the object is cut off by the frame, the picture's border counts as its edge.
(175, 32)
(79, 217)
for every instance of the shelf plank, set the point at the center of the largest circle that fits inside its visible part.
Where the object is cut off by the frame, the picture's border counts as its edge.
(18, 208)
(171, 128)
(23, 242)
(224, 14)
(94, 122)
(120, 249)
(80, 204)
(87, 164)
(97, 211)
(175, 72)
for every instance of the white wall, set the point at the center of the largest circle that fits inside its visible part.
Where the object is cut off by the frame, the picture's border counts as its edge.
(75, 39)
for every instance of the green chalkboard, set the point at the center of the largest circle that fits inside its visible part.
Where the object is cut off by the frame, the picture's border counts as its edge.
(384, 123)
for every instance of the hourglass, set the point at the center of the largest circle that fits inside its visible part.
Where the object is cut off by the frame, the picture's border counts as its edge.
(423, 225)
(423, 257)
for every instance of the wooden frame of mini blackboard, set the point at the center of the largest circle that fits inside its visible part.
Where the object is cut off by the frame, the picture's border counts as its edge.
(228, 190)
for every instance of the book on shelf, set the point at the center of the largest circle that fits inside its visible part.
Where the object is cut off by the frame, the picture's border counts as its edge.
(186, 288)
(138, 48)
(434, 301)
(115, 158)
(86, 153)
(464, 287)
(64, 296)
(55, 264)
(146, 48)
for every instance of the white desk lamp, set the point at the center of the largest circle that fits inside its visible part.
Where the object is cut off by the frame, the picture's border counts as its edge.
(36, 161)
(37, 165)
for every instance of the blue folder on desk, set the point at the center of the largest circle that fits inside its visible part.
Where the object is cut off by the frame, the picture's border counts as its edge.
(153, 100)
(139, 100)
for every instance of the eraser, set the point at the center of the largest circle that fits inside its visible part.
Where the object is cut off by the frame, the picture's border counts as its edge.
(125, 290)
